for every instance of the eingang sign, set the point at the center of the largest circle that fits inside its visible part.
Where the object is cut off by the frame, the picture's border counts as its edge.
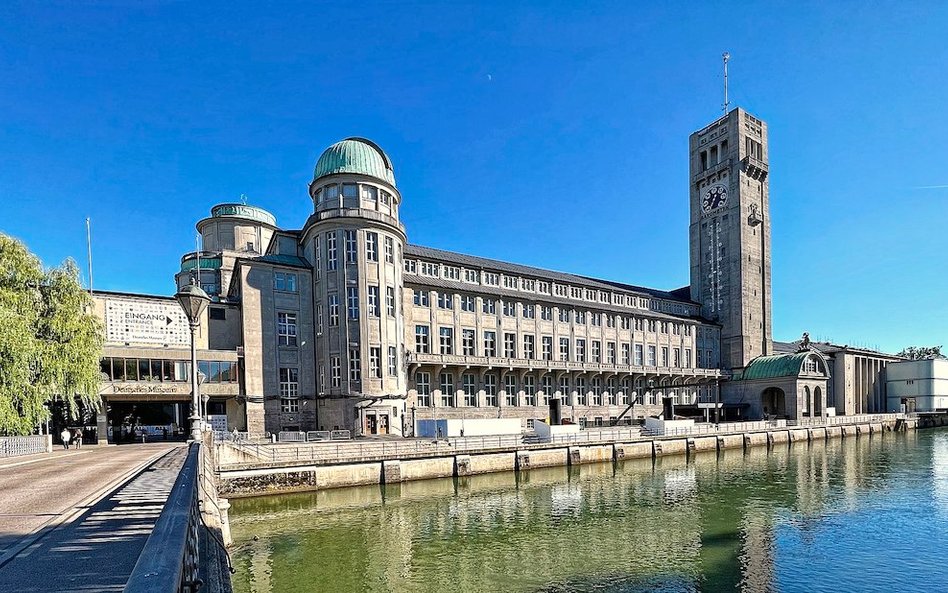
(140, 321)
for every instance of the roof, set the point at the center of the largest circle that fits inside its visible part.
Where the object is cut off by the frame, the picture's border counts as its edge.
(475, 262)
(773, 366)
(282, 260)
(829, 349)
(355, 155)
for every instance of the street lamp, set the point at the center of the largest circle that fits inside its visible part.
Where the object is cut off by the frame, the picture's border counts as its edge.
(194, 300)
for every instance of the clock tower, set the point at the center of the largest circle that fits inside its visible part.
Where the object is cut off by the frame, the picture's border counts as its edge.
(730, 234)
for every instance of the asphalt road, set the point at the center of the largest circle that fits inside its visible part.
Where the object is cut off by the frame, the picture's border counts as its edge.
(77, 520)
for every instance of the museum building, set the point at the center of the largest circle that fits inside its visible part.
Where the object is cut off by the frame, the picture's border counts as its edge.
(344, 324)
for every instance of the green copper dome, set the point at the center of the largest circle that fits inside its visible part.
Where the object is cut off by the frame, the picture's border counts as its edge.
(355, 155)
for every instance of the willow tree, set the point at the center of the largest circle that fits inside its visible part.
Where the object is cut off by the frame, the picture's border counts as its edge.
(50, 340)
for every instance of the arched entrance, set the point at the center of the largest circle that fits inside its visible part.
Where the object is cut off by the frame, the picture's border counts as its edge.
(774, 402)
(817, 401)
(807, 400)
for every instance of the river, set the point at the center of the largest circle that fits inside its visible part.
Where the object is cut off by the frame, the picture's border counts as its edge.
(846, 515)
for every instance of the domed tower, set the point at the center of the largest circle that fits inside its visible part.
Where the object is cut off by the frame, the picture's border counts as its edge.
(355, 242)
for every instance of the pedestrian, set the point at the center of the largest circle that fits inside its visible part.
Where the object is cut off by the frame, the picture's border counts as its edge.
(65, 437)
(77, 437)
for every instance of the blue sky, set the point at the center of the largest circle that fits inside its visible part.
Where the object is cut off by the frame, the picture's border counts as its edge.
(551, 134)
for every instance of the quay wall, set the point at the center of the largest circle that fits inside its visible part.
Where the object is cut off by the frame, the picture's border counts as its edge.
(251, 479)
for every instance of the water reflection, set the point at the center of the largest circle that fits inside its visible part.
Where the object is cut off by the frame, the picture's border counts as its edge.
(793, 519)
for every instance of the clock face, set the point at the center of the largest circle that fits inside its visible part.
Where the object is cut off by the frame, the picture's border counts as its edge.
(714, 197)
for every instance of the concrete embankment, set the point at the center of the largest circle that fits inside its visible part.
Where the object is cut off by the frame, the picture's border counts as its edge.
(247, 476)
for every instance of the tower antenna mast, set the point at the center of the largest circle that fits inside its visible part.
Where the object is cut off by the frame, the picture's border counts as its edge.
(725, 56)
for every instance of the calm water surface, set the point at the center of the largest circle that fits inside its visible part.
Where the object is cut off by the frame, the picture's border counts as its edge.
(848, 515)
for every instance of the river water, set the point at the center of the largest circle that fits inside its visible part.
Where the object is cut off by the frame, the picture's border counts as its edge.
(847, 515)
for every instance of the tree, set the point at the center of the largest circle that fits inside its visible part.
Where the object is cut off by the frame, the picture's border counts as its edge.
(921, 352)
(50, 340)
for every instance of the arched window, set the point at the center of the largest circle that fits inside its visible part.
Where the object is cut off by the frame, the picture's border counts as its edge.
(810, 365)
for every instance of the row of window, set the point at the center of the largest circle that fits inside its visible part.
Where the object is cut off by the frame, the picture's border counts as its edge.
(467, 303)
(374, 196)
(330, 254)
(153, 369)
(569, 350)
(532, 285)
(377, 367)
(531, 392)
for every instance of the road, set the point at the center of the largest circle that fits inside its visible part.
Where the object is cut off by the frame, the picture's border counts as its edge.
(77, 520)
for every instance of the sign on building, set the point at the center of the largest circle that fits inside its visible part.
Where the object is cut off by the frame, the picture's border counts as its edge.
(140, 321)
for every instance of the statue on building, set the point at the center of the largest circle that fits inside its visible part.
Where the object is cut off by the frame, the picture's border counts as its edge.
(805, 342)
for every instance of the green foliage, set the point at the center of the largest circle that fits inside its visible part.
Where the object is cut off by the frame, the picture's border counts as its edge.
(50, 340)
(921, 352)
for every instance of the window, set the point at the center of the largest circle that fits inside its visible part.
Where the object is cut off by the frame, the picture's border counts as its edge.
(446, 336)
(389, 250)
(581, 317)
(335, 371)
(350, 246)
(331, 193)
(374, 305)
(596, 351)
(528, 284)
(610, 320)
(350, 190)
(580, 391)
(530, 390)
(352, 302)
(421, 298)
(331, 254)
(596, 319)
(447, 390)
(319, 319)
(809, 365)
(510, 309)
(510, 345)
(546, 344)
(651, 325)
(710, 359)
(564, 390)
(529, 311)
(445, 300)
(333, 310)
(687, 358)
(547, 386)
(676, 357)
(625, 322)
(430, 269)
(543, 287)
(392, 361)
(510, 389)
(611, 391)
(510, 282)
(489, 306)
(546, 313)
(490, 343)
(469, 385)
(490, 389)
(289, 405)
(580, 350)
(651, 356)
(289, 382)
(596, 388)
(626, 354)
(411, 266)
(355, 365)
(423, 387)
(386, 197)
(286, 329)
(491, 279)
(390, 300)
(564, 315)
(375, 362)
(470, 276)
(372, 246)
(370, 194)
(638, 355)
(451, 272)
(467, 303)
(529, 346)
(283, 281)
(467, 342)
(664, 356)
(611, 353)
(564, 349)
(422, 339)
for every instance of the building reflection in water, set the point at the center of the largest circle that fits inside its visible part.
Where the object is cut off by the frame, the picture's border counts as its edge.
(714, 523)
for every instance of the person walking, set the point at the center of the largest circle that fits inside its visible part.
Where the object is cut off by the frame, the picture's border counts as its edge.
(65, 437)
(77, 437)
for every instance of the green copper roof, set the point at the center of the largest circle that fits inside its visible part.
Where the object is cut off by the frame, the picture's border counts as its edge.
(772, 367)
(243, 211)
(355, 155)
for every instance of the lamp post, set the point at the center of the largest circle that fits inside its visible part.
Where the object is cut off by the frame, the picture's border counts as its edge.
(194, 300)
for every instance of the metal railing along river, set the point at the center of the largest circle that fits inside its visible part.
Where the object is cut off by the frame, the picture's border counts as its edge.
(28, 445)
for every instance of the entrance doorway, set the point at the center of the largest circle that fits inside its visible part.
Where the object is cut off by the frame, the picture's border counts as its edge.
(130, 421)
(774, 403)
(376, 424)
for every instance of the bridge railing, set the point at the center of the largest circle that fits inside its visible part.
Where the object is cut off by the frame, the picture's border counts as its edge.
(28, 445)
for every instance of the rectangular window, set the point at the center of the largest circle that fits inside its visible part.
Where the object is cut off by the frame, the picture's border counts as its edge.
(490, 389)
(529, 346)
(530, 390)
(331, 253)
(580, 350)
(392, 361)
(350, 236)
(564, 349)
(638, 355)
(469, 385)
(596, 348)
(289, 382)
(547, 347)
(564, 390)
(333, 310)
(289, 405)
(467, 342)
(581, 391)
(370, 195)
(335, 371)
(676, 357)
(411, 266)
(317, 257)
(375, 309)
(284, 281)
(352, 302)
(546, 313)
(446, 335)
(470, 276)
(564, 315)
(687, 358)
(390, 300)
(467, 303)
(421, 298)
(389, 250)
(529, 311)
(490, 343)
(491, 279)
(664, 356)
(422, 339)
(319, 318)
(510, 345)
(355, 365)
(710, 359)
(286, 329)
(372, 246)
(445, 300)
(581, 317)
(596, 319)
(510, 309)
(611, 353)
(489, 306)
(350, 190)
(626, 354)
(651, 356)
(331, 193)
(596, 389)
(547, 386)
(423, 387)
(510, 389)
(430, 269)
(447, 390)
(375, 362)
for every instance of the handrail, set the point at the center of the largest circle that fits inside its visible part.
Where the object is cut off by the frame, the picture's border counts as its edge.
(169, 560)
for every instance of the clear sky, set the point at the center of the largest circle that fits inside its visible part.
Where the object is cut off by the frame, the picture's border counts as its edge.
(551, 134)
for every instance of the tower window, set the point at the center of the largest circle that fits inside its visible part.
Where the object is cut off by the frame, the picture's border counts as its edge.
(704, 160)
(723, 149)
(714, 156)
